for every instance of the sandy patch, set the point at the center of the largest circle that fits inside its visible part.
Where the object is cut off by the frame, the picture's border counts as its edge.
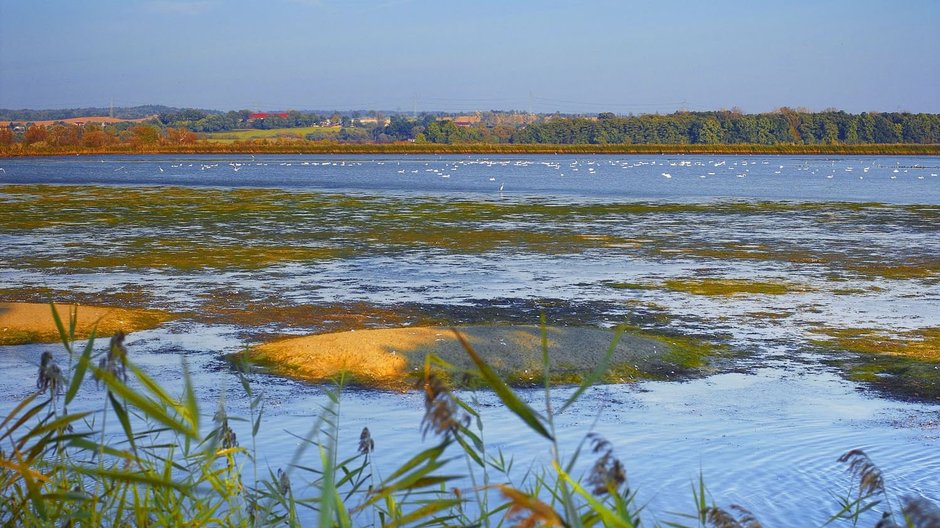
(391, 358)
(22, 323)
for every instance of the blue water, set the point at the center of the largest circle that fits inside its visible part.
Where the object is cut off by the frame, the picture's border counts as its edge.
(888, 179)
(765, 432)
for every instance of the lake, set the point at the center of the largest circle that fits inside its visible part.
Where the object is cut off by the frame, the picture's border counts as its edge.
(791, 261)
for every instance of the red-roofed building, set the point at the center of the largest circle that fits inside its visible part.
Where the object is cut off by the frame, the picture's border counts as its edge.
(262, 115)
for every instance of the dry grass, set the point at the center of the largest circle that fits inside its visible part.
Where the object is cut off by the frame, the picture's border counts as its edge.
(22, 323)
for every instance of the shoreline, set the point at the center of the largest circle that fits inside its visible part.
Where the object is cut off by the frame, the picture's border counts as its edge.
(301, 147)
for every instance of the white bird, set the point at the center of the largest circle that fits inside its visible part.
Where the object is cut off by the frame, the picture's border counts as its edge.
(161, 169)
(501, 187)
(667, 175)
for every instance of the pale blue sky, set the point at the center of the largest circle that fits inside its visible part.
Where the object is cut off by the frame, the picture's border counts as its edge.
(569, 56)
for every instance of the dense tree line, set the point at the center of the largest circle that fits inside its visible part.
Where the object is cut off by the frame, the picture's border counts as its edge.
(782, 127)
(785, 126)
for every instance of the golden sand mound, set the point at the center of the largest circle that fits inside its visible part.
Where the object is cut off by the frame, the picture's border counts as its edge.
(22, 323)
(390, 358)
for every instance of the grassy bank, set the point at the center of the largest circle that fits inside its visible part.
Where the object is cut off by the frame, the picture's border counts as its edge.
(149, 458)
(229, 146)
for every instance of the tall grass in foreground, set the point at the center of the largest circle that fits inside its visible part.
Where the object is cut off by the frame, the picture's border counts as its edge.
(146, 458)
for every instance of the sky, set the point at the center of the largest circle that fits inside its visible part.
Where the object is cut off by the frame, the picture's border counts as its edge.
(584, 56)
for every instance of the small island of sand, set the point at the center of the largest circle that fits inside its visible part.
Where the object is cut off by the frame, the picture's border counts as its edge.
(22, 323)
(392, 358)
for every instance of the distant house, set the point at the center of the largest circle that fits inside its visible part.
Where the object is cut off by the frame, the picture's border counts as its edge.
(374, 121)
(467, 120)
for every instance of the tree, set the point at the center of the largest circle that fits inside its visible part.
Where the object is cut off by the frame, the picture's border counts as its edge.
(400, 128)
(180, 136)
(94, 136)
(139, 135)
(707, 131)
(34, 134)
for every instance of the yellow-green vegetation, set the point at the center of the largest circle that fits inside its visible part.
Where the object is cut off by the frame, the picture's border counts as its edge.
(391, 358)
(255, 133)
(921, 270)
(899, 362)
(192, 228)
(921, 344)
(728, 287)
(22, 323)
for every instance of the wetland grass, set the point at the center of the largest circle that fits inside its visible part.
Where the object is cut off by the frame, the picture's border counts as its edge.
(729, 287)
(905, 363)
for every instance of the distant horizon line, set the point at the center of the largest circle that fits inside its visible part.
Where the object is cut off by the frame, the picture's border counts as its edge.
(733, 109)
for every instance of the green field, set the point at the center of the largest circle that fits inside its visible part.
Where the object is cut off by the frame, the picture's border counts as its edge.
(251, 133)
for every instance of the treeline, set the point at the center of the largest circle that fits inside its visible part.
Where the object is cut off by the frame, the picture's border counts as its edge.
(728, 128)
(782, 127)
(207, 121)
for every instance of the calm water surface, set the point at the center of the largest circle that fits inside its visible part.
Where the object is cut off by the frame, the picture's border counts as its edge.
(765, 431)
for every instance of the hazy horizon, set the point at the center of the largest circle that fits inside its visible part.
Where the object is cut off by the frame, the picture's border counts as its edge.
(407, 55)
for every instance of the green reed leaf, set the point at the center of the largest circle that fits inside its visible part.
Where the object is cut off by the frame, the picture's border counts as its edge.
(508, 397)
(80, 368)
(598, 373)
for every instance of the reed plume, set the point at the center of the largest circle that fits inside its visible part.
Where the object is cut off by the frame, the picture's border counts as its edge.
(115, 361)
(366, 444)
(283, 481)
(441, 415)
(608, 473)
(50, 376)
(870, 479)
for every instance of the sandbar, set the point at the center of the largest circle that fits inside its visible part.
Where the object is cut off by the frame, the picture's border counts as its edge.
(22, 323)
(393, 358)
